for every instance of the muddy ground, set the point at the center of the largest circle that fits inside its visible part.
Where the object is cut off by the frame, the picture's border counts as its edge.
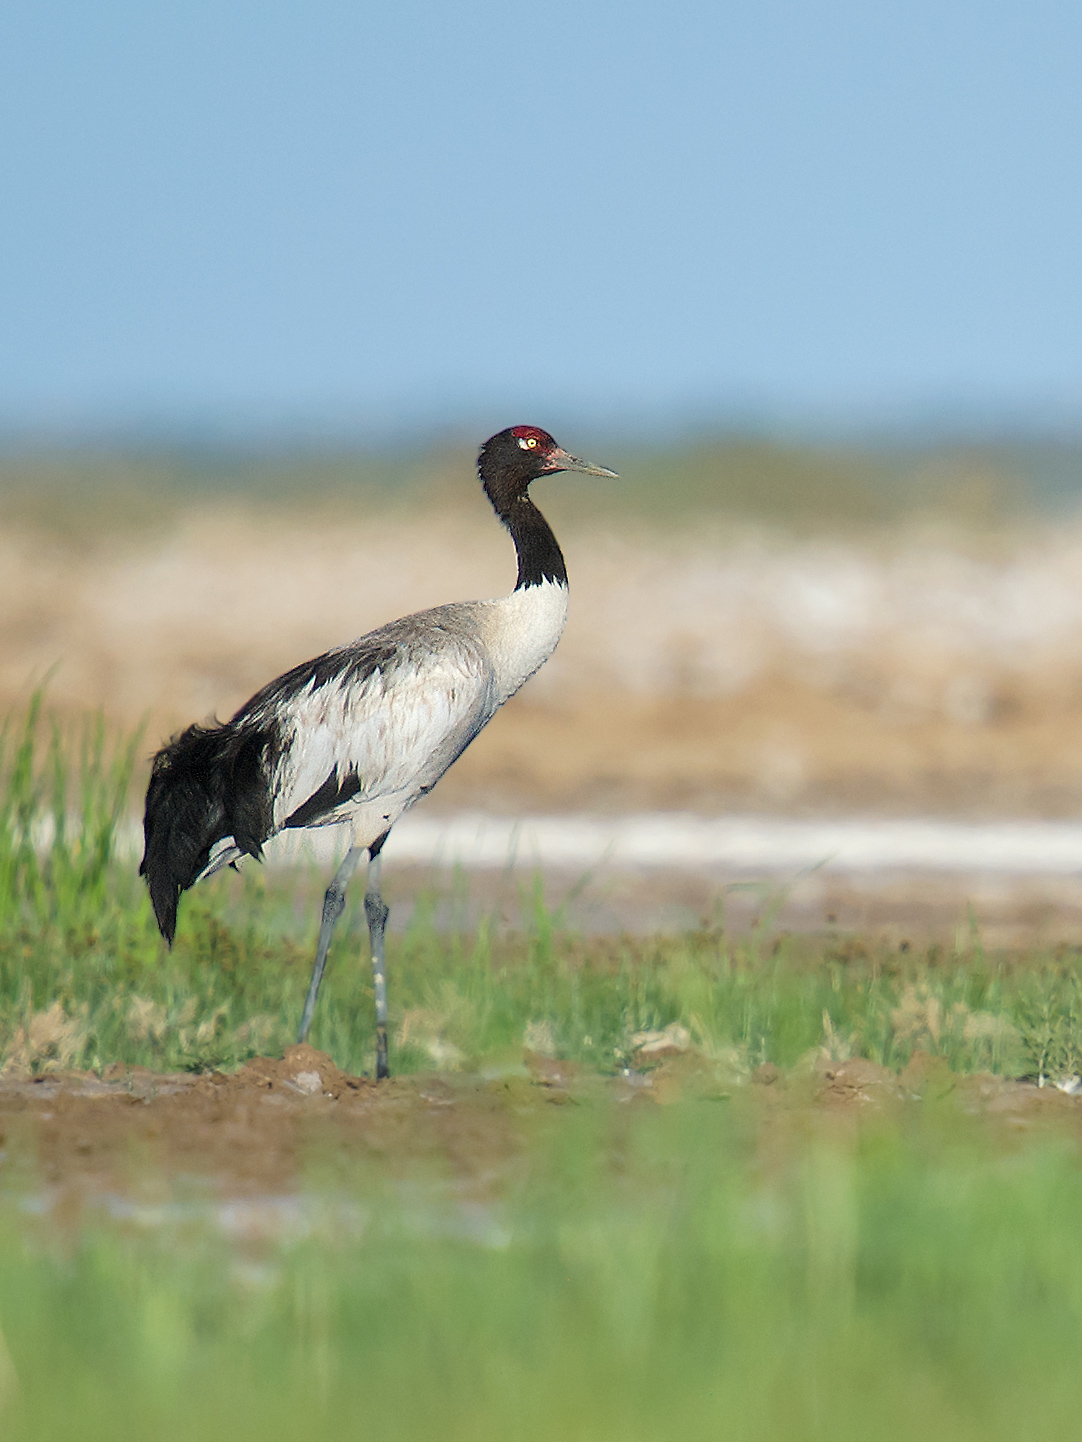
(136, 1139)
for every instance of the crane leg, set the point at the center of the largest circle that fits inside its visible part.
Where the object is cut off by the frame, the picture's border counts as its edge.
(333, 905)
(377, 911)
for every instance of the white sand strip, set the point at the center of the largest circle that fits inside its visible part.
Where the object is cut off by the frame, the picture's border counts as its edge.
(676, 841)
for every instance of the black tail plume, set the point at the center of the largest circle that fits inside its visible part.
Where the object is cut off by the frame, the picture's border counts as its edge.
(208, 784)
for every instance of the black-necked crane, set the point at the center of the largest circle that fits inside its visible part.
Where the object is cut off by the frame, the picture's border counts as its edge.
(361, 733)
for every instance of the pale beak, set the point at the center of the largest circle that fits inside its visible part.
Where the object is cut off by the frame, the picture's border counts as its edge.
(559, 460)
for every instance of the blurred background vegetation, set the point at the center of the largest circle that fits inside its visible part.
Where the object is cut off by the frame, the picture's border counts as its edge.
(799, 484)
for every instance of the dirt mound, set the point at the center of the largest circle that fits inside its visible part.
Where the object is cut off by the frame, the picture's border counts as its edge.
(303, 1071)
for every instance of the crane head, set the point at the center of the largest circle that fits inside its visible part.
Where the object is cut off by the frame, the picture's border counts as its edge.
(510, 460)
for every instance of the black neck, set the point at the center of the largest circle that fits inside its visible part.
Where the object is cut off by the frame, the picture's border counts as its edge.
(539, 556)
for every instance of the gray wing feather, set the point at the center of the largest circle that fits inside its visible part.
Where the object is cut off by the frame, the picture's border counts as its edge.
(386, 716)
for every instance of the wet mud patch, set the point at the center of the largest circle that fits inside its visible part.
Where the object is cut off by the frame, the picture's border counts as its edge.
(267, 1135)
(281, 1133)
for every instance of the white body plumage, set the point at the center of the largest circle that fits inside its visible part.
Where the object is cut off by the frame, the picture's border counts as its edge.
(400, 726)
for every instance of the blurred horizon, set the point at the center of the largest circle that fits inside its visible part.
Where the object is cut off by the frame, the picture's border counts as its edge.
(208, 433)
(977, 478)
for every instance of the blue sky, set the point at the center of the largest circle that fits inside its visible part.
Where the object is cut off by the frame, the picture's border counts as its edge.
(381, 217)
